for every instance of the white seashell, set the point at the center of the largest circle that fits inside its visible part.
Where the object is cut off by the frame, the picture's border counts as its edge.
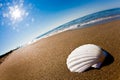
(85, 56)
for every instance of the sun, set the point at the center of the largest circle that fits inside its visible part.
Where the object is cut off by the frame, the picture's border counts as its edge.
(16, 13)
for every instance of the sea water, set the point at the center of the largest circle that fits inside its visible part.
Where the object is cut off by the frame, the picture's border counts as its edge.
(86, 21)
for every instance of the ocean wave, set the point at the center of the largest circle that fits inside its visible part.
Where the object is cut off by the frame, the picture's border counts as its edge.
(98, 20)
(75, 26)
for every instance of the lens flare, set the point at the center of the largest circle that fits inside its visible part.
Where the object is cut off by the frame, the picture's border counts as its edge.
(16, 13)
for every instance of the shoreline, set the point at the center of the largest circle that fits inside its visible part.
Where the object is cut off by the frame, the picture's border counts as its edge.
(47, 34)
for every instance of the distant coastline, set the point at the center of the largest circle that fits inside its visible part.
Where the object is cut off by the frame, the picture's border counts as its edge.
(4, 56)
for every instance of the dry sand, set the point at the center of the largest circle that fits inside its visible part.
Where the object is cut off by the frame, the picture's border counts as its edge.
(46, 58)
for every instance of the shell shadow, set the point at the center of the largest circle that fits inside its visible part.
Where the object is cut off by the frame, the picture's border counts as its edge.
(108, 60)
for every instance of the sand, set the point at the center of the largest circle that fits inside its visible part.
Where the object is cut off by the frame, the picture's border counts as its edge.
(46, 58)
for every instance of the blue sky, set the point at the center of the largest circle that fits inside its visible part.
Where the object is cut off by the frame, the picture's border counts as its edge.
(23, 20)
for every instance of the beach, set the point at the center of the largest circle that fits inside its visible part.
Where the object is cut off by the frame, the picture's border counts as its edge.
(46, 58)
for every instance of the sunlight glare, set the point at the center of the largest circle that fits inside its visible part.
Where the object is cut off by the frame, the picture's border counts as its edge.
(16, 13)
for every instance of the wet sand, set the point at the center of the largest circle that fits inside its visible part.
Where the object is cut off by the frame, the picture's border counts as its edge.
(46, 58)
